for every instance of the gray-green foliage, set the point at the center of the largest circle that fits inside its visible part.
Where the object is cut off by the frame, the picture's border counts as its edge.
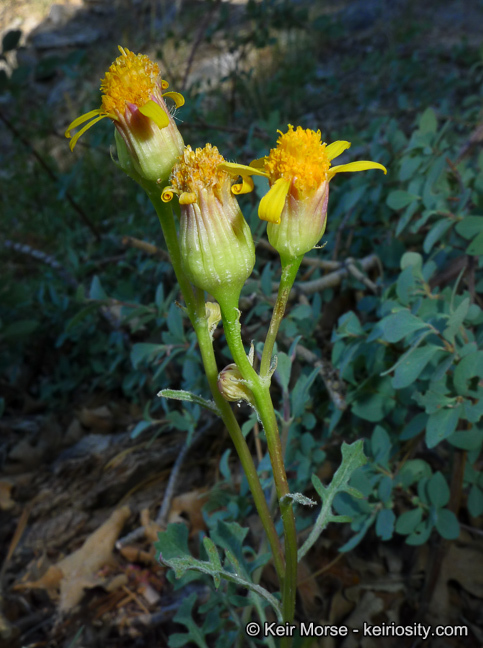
(413, 356)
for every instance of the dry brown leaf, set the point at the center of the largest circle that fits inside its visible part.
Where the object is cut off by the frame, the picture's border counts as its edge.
(99, 418)
(78, 570)
(191, 504)
(135, 555)
(308, 591)
(6, 502)
(460, 564)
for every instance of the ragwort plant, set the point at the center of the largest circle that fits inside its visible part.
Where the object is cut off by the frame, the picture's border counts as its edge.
(212, 251)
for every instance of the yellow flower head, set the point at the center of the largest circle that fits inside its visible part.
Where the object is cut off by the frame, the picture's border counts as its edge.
(299, 166)
(217, 250)
(299, 170)
(195, 171)
(300, 157)
(134, 98)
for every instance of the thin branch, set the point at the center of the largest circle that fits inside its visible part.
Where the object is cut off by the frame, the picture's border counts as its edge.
(79, 211)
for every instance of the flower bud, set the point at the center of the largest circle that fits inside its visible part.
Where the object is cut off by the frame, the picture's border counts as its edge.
(216, 243)
(134, 99)
(232, 386)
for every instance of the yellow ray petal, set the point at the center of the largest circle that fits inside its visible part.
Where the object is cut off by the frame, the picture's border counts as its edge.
(259, 163)
(241, 169)
(245, 187)
(362, 165)
(80, 120)
(168, 194)
(74, 140)
(336, 148)
(187, 198)
(176, 97)
(156, 113)
(272, 203)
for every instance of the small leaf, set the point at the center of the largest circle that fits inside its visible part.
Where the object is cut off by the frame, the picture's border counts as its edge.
(438, 490)
(179, 394)
(441, 425)
(470, 226)
(398, 325)
(385, 524)
(428, 122)
(476, 245)
(96, 291)
(456, 319)
(447, 524)
(408, 521)
(352, 458)
(475, 501)
(414, 363)
(436, 232)
(399, 199)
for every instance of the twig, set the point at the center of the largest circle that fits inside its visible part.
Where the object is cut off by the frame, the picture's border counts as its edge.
(79, 211)
(149, 248)
(38, 255)
(161, 518)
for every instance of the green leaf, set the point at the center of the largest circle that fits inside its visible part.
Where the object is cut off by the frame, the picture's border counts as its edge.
(398, 325)
(413, 471)
(352, 458)
(399, 199)
(372, 407)
(447, 524)
(144, 352)
(19, 329)
(415, 426)
(466, 439)
(438, 490)
(475, 501)
(385, 524)
(181, 395)
(421, 534)
(380, 445)
(476, 245)
(172, 550)
(471, 366)
(82, 314)
(284, 369)
(349, 326)
(428, 122)
(441, 425)
(415, 361)
(456, 319)
(408, 521)
(470, 226)
(436, 232)
(96, 291)
(412, 260)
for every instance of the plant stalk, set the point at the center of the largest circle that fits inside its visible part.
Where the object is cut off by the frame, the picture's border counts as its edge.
(197, 312)
(289, 272)
(260, 386)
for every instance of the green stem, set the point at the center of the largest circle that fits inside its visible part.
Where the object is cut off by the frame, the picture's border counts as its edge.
(260, 387)
(289, 272)
(197, 312)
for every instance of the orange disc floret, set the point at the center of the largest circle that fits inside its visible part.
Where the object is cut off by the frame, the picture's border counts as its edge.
(300, 156)
(198, 169)
(131, 78)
